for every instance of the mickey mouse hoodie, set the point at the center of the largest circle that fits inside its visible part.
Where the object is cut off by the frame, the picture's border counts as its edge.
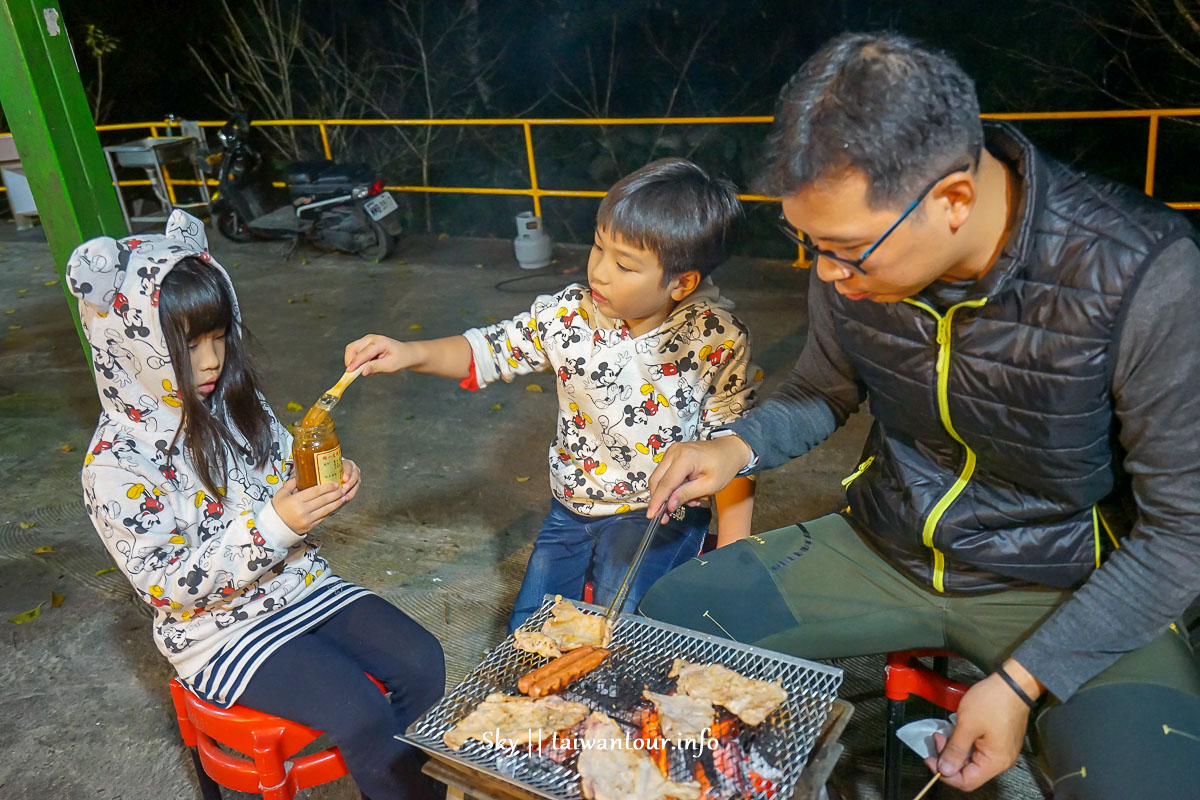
(228, 580)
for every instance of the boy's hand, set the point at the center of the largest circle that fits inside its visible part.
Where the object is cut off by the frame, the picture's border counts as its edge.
(693, 470)
(379, 354)
(303, 511)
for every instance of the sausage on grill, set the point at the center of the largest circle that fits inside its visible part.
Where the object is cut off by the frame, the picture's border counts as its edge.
(562, 671)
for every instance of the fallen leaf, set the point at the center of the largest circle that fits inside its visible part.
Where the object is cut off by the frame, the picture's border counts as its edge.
(236, 263)
(410, 416)
(22, 291)
(320, 316)
(304, 261)
(533, 387)
(401, 261)
(416, 326)
(522, 478)
(294, 406)
(43, 549)
(27, 525)
(443, 235)
(49, 283)
(491, 319)
(105, 571)
(56, 600)
(30, 615)
(14, 327)
(291, 300)
(67, 448)
(11, 311)
(37, 268)
(479, 266)
(496, 407)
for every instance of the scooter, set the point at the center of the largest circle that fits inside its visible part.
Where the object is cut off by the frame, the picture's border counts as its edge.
(342, 206)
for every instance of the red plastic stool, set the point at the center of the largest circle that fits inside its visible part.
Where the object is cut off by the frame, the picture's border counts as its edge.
(905, 676)
(270, 741)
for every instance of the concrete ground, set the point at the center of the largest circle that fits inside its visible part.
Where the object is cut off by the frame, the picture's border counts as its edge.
(454, 490)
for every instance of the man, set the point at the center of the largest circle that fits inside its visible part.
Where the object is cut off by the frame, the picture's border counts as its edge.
(1029, 495)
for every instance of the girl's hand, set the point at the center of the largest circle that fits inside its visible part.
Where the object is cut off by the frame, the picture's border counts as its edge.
(303, 511)
(379, 354)
(351, 480)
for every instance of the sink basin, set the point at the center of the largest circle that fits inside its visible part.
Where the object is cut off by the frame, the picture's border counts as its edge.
(152, 150)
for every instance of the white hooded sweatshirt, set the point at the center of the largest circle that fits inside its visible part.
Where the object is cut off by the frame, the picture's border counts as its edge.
(622, 400)
(229, 581)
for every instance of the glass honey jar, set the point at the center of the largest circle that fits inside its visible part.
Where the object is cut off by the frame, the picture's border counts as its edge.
(316, 454)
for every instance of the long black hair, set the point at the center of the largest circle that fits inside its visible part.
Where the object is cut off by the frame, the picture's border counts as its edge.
(196, 299)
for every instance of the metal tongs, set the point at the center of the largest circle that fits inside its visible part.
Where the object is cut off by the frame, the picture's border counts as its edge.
(634, 566)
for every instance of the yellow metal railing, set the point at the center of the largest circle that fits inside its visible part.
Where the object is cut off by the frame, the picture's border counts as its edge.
(537, 192)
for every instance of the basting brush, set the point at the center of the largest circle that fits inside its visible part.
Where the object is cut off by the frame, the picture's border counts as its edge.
(320, 409)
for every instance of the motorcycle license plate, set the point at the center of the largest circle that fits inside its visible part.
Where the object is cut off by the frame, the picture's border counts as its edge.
(380, 205)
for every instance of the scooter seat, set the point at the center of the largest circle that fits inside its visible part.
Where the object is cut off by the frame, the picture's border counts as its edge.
(309, 173)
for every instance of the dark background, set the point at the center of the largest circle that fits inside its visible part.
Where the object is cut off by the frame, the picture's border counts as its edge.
(554, 58)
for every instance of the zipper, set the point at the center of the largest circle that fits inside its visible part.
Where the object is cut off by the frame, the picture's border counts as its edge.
(1098, 520)
(964, 476)
(853, 476)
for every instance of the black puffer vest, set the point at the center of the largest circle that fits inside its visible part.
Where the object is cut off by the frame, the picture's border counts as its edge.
(993, 440)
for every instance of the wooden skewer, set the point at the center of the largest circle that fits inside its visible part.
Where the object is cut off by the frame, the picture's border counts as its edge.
(928, 786)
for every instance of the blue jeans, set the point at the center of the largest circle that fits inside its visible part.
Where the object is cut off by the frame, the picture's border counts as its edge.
(570, 549)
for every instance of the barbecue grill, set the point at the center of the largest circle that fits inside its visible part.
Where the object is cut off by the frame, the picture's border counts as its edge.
(739, 761)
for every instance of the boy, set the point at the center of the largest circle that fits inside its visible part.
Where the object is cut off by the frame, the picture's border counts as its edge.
(646, 354)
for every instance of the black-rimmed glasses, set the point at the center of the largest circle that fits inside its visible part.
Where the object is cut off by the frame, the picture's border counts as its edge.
(812, 252)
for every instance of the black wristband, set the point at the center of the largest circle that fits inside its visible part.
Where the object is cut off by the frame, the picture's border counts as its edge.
(1016, 687)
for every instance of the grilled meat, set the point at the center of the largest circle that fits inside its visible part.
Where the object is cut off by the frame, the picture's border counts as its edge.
(610, 768)
(750, 699)
(571, 628)
(534, 642)
(684, 719)
(504, 720)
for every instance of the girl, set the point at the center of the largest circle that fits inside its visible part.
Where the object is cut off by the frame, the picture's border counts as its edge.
(186, 482)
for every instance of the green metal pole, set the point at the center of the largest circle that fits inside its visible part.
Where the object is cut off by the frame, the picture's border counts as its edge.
(55, 135)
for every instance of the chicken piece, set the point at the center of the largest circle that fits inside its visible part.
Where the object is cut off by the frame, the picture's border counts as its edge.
(750, 699)
(505, 720)
(571, 628)
(534, 642)
(684, 719)
(611, 768)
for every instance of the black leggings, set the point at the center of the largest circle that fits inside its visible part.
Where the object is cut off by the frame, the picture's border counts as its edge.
(317, 680)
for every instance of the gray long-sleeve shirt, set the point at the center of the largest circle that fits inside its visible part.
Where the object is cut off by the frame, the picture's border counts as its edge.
(1151, 578)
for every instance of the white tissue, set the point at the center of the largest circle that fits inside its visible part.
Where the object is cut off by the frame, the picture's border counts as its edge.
(918, 735)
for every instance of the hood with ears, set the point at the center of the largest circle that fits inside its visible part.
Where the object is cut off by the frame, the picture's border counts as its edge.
(117, 282)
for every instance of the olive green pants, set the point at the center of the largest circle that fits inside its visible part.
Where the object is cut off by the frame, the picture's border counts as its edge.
(818, 591)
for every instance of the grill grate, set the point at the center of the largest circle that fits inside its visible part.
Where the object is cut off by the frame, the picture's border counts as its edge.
(771, 756)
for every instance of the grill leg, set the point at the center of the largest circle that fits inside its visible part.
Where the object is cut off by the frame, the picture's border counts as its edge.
(209, 789)
(893, 753)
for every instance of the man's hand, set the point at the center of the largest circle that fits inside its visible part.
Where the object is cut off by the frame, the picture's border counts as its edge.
(692, 470)
(378, 354)
(992, 720)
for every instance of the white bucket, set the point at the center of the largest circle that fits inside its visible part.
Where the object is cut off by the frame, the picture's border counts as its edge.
(532, 245)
